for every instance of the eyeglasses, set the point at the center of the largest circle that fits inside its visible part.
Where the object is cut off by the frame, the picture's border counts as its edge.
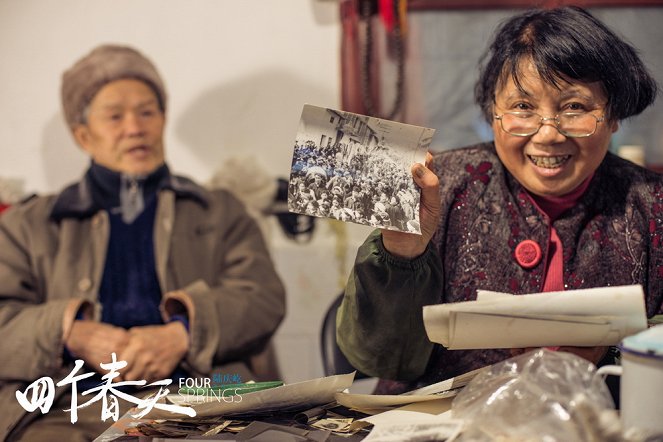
(569, 124)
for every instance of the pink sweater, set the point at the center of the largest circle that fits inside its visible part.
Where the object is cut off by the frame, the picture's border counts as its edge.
(552, 207)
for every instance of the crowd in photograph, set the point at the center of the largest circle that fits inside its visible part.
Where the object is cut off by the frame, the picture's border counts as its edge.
(353, 183)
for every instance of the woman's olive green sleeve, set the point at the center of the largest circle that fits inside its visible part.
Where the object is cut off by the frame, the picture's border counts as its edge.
(379, 325)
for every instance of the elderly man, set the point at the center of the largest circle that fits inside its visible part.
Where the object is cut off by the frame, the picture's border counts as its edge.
(174, 279)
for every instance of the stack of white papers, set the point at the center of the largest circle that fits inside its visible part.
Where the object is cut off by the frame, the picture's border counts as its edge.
(587, 317)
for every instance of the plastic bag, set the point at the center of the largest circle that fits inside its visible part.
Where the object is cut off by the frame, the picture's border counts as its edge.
(539, 396)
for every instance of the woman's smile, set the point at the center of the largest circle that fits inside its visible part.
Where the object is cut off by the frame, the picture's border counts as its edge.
(549, 162)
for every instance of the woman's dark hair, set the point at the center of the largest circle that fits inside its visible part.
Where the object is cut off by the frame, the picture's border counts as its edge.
(566, 43)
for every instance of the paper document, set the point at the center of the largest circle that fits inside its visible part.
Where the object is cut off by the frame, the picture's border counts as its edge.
(287, 397)
(587, 317)
(370, 403)
(448, 385)
(386, 401)
(400, 426)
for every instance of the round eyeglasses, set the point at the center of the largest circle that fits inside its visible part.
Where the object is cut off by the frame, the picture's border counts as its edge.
(569, 124)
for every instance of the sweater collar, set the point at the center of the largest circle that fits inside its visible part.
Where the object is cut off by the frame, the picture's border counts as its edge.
(99, 190)
(554, 206)
(107, 185)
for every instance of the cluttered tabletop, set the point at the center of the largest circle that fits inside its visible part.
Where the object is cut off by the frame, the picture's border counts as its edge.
(521, 396)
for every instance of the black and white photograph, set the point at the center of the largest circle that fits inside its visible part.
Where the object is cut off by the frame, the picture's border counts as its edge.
(357, 168)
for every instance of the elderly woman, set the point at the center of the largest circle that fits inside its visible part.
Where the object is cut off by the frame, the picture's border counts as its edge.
(544, 207)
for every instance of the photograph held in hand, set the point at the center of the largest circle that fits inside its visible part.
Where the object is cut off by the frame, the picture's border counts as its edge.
(356, 168)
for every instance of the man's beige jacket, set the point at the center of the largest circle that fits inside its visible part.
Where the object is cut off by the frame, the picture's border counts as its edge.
(211, 261)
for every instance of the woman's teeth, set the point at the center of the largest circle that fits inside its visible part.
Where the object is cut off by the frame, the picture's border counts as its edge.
(549, 162)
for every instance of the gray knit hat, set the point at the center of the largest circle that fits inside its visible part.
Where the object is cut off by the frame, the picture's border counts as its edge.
(104, 64)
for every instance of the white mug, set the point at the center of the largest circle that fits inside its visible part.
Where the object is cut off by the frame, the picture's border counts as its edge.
(641, 389)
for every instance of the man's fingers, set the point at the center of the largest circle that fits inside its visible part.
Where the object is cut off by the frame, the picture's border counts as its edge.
(130, 355)
(94, 341)
(154, 351)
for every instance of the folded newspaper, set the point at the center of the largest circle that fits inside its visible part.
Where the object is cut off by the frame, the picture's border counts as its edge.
(586, 317)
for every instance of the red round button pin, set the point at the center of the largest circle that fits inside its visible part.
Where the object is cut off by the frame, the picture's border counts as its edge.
(528, 254)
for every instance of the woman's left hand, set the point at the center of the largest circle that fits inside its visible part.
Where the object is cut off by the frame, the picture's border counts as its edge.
(408, 245)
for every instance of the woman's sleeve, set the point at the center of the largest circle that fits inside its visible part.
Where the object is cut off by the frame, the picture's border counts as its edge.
(380, 325)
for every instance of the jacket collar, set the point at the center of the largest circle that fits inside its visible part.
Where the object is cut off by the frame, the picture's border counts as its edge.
(76, 200)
